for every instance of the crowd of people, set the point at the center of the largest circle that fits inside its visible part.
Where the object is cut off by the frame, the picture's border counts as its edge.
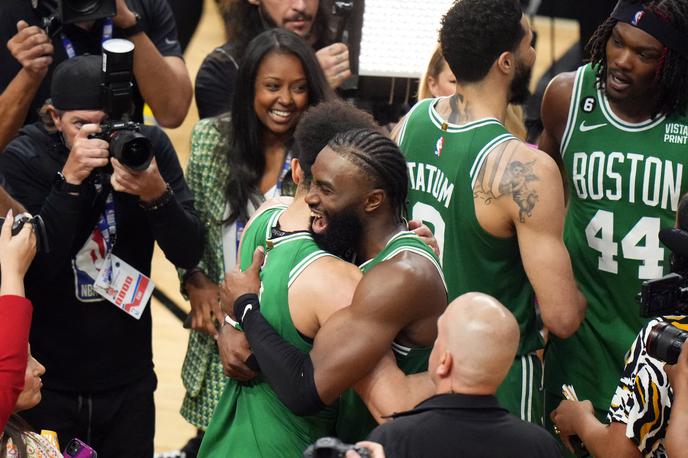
(395, 290)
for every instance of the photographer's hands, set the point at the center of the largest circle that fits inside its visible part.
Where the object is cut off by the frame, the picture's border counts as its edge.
(16, 254)
(147, 184)
(32, 48)
(334, 61)
(86, 154)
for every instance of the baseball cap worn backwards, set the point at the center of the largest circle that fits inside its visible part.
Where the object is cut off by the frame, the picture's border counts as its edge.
(76, 84)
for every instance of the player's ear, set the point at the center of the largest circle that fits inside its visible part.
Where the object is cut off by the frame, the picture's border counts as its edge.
(296, 171)
(506, 62)
(374, 200)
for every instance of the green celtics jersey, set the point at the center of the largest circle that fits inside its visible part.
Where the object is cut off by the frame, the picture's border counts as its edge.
(354, 422)
(250, 420)
(625, 181)
(444, 161)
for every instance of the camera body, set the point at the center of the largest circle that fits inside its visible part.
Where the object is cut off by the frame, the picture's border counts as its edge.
(55, 13)
(331, 447)
(78, 449)
(38, 229)
(127, 144)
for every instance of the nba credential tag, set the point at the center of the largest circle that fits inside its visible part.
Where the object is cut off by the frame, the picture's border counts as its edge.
(124, 286)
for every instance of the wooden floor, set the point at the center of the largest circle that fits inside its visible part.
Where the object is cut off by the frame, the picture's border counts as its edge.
(169, 338)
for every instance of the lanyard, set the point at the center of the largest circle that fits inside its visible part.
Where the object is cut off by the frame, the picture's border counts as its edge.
(69, 46)
(240, 224)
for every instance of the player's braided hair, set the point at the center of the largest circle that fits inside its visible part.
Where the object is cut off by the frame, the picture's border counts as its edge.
(672, 69)
(380, 159)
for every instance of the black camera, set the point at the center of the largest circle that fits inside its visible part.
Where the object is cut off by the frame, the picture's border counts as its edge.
(58, 12)
(127, 143)
(38, 229)
(331, 447)
(664, 296)
(664, 342)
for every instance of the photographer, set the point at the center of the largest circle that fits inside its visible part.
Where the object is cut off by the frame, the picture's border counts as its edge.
(28, 60)
(100, 383)
(641, 407)
(16, 253)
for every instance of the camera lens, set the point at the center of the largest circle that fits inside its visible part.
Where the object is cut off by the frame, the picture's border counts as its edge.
(664, 342)
(82, 6)
(132, 149)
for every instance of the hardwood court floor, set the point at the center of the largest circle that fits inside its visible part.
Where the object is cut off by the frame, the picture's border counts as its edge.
(169, 338)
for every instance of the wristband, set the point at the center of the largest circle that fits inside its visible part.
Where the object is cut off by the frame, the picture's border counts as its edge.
(232, 323)
(245, 304)
(160, 202)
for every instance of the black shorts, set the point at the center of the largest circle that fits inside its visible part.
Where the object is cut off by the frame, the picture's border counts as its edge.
(116, 423)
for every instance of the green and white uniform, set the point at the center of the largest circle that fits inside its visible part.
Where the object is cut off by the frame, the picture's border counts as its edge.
(444, 161)
(250, 420)
(354, 422)
(624, 181)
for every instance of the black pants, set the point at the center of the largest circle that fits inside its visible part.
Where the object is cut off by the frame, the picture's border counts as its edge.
(117, 423)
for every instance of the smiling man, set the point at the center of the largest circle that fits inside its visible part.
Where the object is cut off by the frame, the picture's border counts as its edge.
(619, 125)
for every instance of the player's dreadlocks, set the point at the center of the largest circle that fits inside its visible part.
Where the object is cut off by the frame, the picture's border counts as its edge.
(672, 69)
(380, 159)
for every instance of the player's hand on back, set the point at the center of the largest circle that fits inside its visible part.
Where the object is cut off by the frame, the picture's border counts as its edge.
(238, 283)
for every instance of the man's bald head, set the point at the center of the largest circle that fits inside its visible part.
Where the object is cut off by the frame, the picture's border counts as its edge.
(477, 339)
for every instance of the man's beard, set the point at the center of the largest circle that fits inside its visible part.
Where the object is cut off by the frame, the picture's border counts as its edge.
(518, 91)
(343, 234)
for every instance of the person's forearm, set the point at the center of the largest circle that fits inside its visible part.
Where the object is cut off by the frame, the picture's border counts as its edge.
(165, 87)
(14, 104)
(676, 441)
(605, 441)
(179, 233)
(288, 370)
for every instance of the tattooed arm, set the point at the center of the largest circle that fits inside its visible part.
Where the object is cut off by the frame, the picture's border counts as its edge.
(519, 190)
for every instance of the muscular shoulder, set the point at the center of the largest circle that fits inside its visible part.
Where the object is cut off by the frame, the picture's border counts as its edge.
(556, 101)
(515, 177)
(325, 286)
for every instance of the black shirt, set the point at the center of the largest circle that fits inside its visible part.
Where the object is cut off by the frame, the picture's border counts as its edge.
(92, 346)
(156, 18)
(458, 425)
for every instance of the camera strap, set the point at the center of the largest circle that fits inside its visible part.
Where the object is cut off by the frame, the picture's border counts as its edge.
(68, 46)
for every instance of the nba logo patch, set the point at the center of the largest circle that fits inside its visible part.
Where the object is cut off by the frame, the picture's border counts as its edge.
(438, 147)
(637, 18)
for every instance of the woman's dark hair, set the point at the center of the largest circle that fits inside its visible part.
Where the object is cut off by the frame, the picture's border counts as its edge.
(15, 429)
(243, 22)
(380, 159)
(672, 69)
(475, 32)
(245, 155)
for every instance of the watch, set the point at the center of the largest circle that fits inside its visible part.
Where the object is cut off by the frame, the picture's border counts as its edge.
(62, 185)
(134, 29)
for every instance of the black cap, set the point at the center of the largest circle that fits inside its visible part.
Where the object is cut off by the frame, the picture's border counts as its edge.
(76, 84)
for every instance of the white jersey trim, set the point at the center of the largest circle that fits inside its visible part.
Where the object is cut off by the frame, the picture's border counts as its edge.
(483, 153)
(619, 123)
(573, 111)
(303, 265)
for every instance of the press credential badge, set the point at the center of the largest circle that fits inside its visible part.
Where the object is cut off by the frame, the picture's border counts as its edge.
(124, 286)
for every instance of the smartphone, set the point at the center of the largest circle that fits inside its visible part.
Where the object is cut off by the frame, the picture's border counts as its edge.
(78, 449)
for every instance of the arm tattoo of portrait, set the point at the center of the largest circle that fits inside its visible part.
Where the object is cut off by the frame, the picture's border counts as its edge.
(514, 178)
